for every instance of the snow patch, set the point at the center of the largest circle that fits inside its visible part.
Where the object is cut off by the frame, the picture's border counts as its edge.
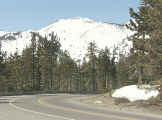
(133, 92)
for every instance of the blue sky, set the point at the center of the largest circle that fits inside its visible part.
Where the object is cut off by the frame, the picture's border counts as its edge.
(22, 15)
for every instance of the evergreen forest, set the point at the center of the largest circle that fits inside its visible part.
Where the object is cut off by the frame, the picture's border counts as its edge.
(40, 68)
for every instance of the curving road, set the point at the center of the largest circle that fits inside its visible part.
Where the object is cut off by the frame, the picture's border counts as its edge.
(59, 107)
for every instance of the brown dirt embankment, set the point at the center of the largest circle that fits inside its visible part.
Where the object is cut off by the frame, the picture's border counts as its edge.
(151, 106)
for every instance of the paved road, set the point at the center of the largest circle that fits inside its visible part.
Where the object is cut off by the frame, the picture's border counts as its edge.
(59, 107)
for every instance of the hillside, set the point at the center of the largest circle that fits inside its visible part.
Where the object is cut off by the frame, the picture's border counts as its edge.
(74, 34)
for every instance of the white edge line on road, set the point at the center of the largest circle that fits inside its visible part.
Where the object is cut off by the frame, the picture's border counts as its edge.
(37, 112)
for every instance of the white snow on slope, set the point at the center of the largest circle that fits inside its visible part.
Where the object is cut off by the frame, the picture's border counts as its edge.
(3, 32)
(133, 93)
(16, 40)
(74, 34)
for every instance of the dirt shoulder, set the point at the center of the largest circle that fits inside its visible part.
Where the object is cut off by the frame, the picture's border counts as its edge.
(122, 104)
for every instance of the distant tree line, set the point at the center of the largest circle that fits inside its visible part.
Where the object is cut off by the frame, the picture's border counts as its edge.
(39, 67)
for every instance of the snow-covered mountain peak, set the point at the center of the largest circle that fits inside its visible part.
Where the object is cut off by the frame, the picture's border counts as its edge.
(74, 33)
(81, 19)
(75, 22)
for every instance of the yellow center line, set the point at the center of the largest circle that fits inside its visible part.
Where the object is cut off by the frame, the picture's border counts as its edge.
(39, 101)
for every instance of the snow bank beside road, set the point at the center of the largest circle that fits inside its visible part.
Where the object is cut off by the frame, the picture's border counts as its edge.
(133, 93)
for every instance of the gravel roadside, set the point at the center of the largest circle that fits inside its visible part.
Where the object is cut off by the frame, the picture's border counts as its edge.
(108, 102)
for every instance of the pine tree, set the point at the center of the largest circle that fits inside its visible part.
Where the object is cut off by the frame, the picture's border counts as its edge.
(77, 76)
(44, 65)
(104, 69)
(62, 74)
(64, 71)
(155, 40)
(14, 72)
(140, 37)
(54, 46)
(28, 69)
(33, 59)
(85, 75)
(16, 75)
(132, 61)
(2, 72)
(121, 72)
(91, 55)
(39, 55)
(113, 81)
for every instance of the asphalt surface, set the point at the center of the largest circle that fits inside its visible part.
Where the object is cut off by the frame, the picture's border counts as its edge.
(59, 107)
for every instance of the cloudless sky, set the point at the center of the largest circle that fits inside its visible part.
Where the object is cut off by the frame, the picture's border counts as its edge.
(22, 15)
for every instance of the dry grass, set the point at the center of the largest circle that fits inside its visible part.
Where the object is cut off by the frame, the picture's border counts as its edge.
(121, 100)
